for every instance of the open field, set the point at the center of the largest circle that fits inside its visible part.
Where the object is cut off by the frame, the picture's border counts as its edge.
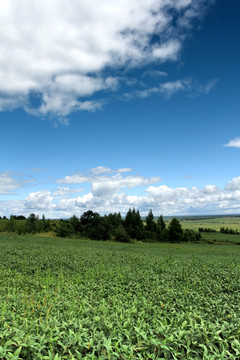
(221, 238)
(213, 222)
(81, 299)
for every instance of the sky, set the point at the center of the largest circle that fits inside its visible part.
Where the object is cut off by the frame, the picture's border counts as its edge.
(117, 104)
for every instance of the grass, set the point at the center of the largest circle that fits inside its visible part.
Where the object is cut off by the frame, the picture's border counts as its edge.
(215, 223)
(221, 238)
(82, 299)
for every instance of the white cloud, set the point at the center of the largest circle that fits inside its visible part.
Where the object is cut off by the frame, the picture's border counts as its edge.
(115, 192)
(210, 189)
(40, 200)
(101, 170)
(104, 170)
(109, 185)
(63, 191)
(171, 87)
(234, 184)
(233, 143)
(85, 200)
(57, 52)
(154, 73)
(74, 179)
(208, 87)
(189, 87)
(12, 207)
(9, 183)
(109, 193)
(168, 51)
(124, 170)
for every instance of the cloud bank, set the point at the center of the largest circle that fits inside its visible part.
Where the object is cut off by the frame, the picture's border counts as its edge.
(55, 55)
(108, 191)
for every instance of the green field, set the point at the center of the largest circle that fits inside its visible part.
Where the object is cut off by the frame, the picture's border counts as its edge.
(213, 222)
(81, 299)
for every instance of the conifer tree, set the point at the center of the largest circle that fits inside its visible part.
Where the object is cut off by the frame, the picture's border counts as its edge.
(175, 231)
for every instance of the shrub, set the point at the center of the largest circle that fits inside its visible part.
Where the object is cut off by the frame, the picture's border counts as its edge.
(121, 235)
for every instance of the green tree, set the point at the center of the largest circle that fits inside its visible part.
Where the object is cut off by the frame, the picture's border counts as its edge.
(99, 229)
(45, 224)
(150, 223)
(121, 235)
(88, 217)
(161, 231)
(191, 235)
(75, 224)
(63, 229)
(175, 231)
(32, 224)
(151, 226)
(161, 223)
(133, 224)
(114, 219)
(11, 224)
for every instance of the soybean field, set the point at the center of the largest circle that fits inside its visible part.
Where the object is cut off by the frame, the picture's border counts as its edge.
(80, 299)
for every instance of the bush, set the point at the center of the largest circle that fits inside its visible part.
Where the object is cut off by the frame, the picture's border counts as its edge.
(63, 229)
(121, 235)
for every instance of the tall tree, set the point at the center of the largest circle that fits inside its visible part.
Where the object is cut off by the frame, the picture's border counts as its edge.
(151, 227)
(133, 224)
(75, 224)
(175, 231)
(161, 223)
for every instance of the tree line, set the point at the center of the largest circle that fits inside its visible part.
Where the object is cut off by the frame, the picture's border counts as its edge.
(108, 227)
(223, 230)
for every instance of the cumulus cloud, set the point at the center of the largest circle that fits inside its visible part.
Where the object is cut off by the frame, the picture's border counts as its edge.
(40, 200)
(210, 189)
(109, 192)
(12, 207)
(106, 190)
(234, 184)
(233, 143)
(54, 54)
(110, 185)
(109, 196)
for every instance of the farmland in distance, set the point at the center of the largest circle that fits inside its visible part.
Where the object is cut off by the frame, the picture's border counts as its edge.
(214, 222)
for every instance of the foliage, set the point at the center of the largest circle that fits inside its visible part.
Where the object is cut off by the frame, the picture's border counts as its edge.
(121, 235)
(175, 231)
(161, 223)
(11, 224)
(226, 230)
(201, 229)
(150, 223)
(93, 226)
(70, 299)
(133, 224)
(63, 229)
(191, 235)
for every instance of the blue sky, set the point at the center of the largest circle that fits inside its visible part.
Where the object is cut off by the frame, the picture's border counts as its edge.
(119, 105)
